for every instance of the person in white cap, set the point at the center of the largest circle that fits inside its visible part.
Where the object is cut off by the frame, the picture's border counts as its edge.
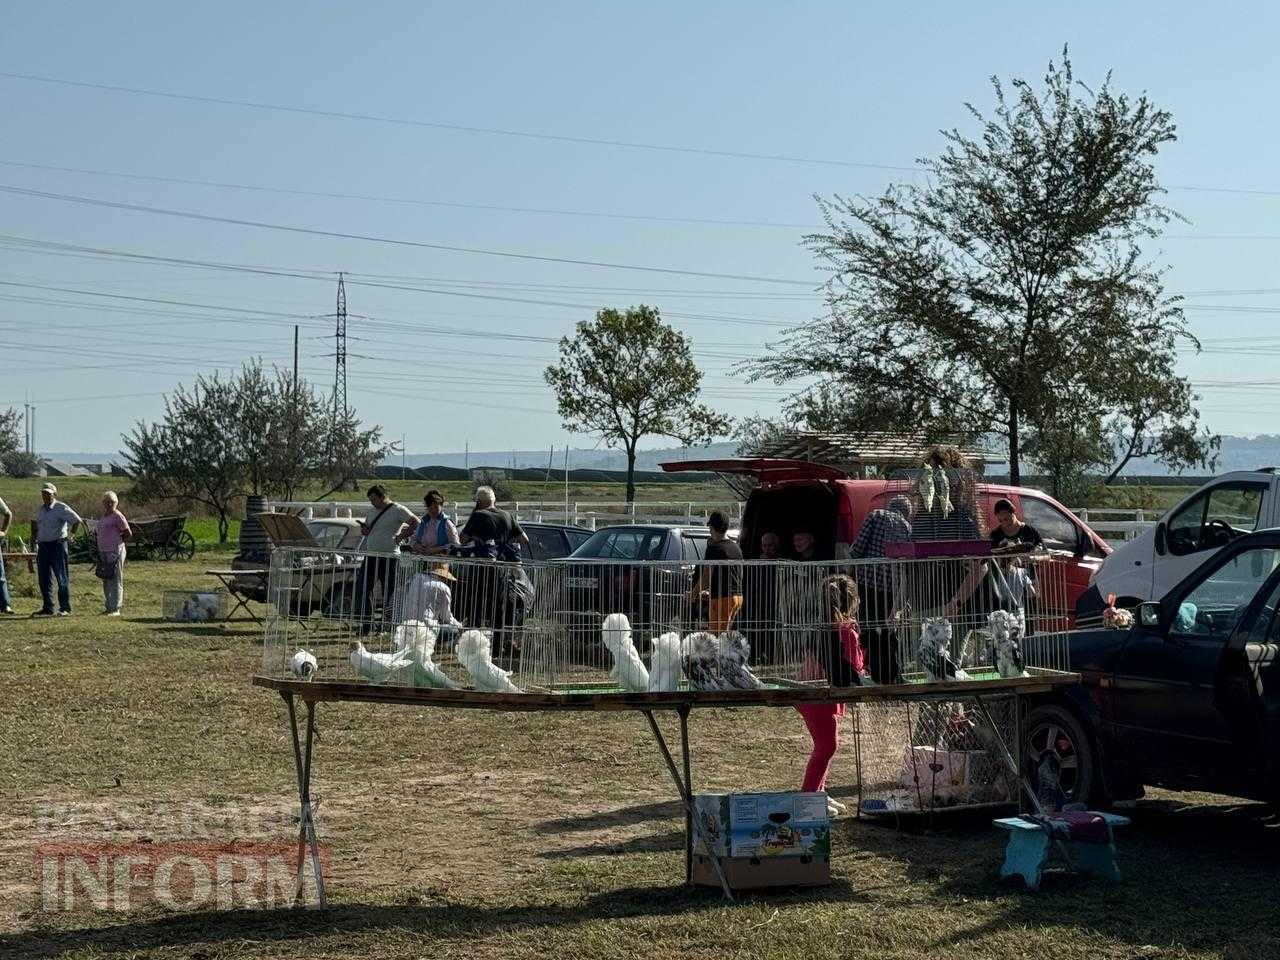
(55, 521)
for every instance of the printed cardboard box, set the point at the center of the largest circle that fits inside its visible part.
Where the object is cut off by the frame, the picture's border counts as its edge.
(764, 825)
(751, 873)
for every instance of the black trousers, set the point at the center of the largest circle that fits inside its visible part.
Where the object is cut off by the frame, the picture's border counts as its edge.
(374, 570)
(879, 636)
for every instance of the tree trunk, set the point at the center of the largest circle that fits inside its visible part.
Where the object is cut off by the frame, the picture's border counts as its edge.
(631, 472)
(1015, 450)
(224, 527)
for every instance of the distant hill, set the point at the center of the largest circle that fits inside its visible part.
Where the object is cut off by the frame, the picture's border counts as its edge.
(579, 459)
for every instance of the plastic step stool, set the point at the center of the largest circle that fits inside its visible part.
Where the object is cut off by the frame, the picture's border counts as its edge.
(1030, 849)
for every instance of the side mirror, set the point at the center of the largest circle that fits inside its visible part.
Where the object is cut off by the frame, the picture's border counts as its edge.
(1149, 614)
(1160, 539)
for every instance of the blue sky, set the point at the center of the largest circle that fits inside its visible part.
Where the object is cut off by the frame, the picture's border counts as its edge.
(866, 83)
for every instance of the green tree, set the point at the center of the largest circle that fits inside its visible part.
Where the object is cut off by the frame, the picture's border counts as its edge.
(1015, 275)
(626, 375)
(253, 433)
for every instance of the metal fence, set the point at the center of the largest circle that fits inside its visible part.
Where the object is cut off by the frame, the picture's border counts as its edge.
(589, 514)
(623, 625)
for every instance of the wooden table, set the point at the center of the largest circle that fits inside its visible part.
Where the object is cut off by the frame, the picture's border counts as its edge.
(29, 557)
(227, 577)
(680, 702)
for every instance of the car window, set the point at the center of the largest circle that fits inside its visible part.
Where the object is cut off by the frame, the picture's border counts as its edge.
(1057, 529)
(1215, 605)
(546, 543)
(1215, 518)
(328, 534)
(626, 544)
(577, 538)
(1266, 625)
(691, 548)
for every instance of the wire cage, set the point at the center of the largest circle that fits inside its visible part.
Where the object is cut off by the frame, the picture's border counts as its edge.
(620, 625)
(194, 606)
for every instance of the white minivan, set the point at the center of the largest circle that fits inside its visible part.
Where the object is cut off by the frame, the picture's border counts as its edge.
(1149, 566)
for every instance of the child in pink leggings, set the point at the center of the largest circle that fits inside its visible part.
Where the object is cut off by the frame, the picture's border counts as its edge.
(848, 664)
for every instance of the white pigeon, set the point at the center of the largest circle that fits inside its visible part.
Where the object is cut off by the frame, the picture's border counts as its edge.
(665, 663)
(1006, 632)
(628, 669)
(702, 661)
(474, 652)
(418, 640)
(303, 665)
(934, 654)
(380, 667)
(735, 674)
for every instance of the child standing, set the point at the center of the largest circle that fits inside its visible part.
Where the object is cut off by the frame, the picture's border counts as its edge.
(846, 666)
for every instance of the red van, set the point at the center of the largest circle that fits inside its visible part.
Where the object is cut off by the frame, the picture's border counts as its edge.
(790, 495)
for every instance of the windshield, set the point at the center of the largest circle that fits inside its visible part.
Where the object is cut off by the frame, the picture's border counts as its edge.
(626, 543)
(328, 534)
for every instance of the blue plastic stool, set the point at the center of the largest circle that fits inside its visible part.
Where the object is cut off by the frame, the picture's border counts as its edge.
(1030, 849)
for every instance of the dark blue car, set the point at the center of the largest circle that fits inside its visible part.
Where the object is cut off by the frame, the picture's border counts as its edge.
(1188, 698)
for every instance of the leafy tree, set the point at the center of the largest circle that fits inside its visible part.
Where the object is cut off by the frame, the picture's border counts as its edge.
(1013, 277)
(627, 375)
(19, 463)
(190, 455)
(10, 440)
(251, 434)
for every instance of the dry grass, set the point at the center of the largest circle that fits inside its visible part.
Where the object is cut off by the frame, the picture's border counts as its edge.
(464, 833)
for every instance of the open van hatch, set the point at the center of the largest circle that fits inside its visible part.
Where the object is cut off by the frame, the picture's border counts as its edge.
(743, 474)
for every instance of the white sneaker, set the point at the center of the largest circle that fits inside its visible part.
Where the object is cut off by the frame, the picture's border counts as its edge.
(113, 613)
(64, 613)
(835, 808)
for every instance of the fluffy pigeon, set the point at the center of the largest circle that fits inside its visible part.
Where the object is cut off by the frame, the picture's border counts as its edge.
(702, 661)
(934, 654)
(418, 640)
(1006, 633)
(628, 669)
(474, 652)
(942, 491)
(665, 663)
(924, 487)
(381, 667)
(735, 674)
(303, 665)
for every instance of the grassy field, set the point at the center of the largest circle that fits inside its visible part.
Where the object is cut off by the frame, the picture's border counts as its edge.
(475, 834)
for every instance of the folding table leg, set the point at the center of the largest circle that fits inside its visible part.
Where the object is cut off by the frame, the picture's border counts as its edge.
(684, 785)
(307, 840)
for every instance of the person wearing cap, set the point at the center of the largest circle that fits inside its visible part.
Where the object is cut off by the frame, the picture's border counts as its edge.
(6, 516)
(55, 521)
(435, 533)
(888, 525)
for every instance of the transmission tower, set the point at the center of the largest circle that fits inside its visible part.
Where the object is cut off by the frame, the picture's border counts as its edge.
(340, 356)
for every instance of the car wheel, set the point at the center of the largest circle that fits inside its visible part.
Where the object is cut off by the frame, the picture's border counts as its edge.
(1056, 729)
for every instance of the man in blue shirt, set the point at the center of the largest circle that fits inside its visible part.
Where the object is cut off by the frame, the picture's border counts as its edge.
(55, 521)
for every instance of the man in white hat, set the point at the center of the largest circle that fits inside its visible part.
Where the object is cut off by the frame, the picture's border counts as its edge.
(55, 521)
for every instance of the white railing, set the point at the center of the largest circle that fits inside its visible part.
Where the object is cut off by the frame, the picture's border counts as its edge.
(589, 514)
(1117, 523)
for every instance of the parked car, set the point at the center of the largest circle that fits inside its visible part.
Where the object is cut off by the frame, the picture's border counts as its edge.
(792, 495)
(1148, 566)
(551, 541)
(321, 579)
(1188, 698)
(654, 598)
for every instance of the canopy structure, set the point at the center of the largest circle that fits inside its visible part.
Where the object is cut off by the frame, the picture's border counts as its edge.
(868, 454)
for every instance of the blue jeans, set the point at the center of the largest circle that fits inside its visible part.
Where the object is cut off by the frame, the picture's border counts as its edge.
(5, 603)
(51, 562)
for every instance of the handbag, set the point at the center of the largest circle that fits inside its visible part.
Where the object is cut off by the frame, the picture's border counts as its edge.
(107, 567)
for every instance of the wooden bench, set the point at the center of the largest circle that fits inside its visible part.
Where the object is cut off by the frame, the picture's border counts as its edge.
(1030, 849)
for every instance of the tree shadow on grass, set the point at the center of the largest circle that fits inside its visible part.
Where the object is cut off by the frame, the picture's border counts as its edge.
(622, 817)
(444, 922)
(1198, 875)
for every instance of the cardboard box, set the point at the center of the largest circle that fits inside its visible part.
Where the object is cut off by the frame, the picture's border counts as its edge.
(751, 873)
(764, 825)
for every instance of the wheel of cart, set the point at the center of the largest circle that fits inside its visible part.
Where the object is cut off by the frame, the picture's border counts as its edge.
(180, 545)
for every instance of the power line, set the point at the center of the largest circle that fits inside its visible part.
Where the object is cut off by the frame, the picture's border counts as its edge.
(422, 244)
(439, 125)
(414, 201)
